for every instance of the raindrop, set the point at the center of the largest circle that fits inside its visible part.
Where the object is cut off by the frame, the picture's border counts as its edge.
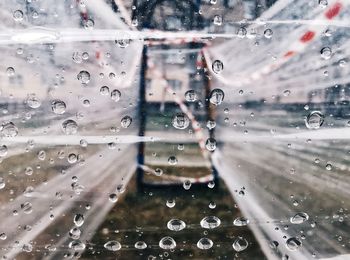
(77, 245)
(210, 222)
(323, 3)
(268, 33)
(112, 245)
(204, 243)
(9, 129)
(18, 15)
(217, 66)
(123, 43)
(176, 225)
(72, 158)
(210, 144)
(217, 20)
(113, 197)
(41, 155)
(180, 121)
(83, 76)
(170, 203)
(314, 120)
(211, 124)
(190, 95)
(211, 184)
(286, 93)
(212, 205)
(75, 233)
(104, 90)
(216, 96)
(172, 160)
(115, 95)
(293, 243)
(187, 184)
(10, 71)
(77, 57)
(126, 121)
(240, 244)
(299, 218)
(70, 127)
(27, 248)
(158, 172)
(167, 243)
(78, 220)
(3, 150)
(28, 171)
(32, 101)
(89, 24)
(326, 53)
(328, 166)
(242, 32)
(140, 245)
(2, 183)
(3, 236)
(58, 107)
(241, 221)
(27, 207)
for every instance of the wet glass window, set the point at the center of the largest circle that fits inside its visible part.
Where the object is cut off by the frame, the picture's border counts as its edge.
(172, 129)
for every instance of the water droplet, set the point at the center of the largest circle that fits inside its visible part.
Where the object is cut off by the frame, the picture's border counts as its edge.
(41, 155)
(299, 218)
(27, 207)
(77, 245)
(176, 225)
(140, 245)
(112, 245)
(125, 122)
(180, 121)
(123, 43)
(83, 76)
(9, 129)
(241, 221)
(78, 220)
(3, 236)
(293, 243)
(187, 184)
(18, 15)
(167, 243)
(314, 120)
(75, 233)
(323, 3)
(28, 171)
(211, 184)
(328, 166)
(89, 24)
(77, 57)
(27, 248)
(115, 95)
(172, 160)
(180, 147)
(210, 222)
(170, 203)
(190, 95)
(326, 53)
(286, 93)
(104, 90)
(211, 124)
(240, 244)
(210, 144)
(2, 183)
(113, 197)
(268, 33)
(3, 150)
(217, 66)
(32, 101)
(212, 205)
(217, 20)
(70, 127)
(216, 96)
(72, 158)
(58, 107)
(204, 243)
(242, 32)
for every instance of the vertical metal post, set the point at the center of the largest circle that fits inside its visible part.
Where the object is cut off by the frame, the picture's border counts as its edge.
(142, 119)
